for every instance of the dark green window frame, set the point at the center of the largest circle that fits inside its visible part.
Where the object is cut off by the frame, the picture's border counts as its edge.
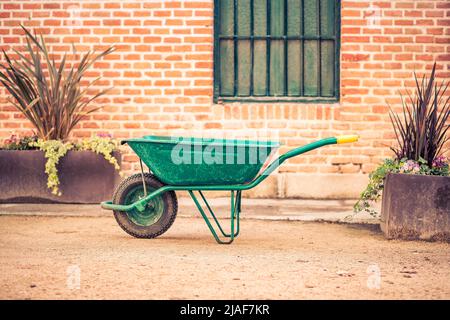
(312, 46)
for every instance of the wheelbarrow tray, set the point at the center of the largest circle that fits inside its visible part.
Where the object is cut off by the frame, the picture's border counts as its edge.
(181, 161)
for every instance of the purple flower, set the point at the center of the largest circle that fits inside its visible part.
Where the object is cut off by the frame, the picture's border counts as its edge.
(410, 166)
(12, 140)
(104, 135)
(440, 162)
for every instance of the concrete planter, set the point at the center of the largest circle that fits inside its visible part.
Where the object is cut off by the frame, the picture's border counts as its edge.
(416, 207)
(85, 177)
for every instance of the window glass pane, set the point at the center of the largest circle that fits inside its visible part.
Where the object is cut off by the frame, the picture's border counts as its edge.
(295, 68)
(327, 69)
(294, 47)
(260, 68)
(277, 68)
(260, 48)
(311, 68)
(294, 17)
(226, 17)
(310, 18)
(244, 67)
(243, 49)
(243, 17)
(327, 17)
(260, 17)
(277, 18)
(327, 50)
(226, 68)
(226, 53)
(277, 71)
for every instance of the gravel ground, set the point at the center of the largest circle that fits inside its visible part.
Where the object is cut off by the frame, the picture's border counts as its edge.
(43, 257)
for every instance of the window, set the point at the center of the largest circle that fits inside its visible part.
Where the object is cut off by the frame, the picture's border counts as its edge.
(276, 50)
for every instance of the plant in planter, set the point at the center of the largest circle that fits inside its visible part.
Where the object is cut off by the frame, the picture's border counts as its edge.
(54, 150)
(53, 98)
(415, 184)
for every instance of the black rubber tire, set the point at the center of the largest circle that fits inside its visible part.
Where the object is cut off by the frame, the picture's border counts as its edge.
(164, 222)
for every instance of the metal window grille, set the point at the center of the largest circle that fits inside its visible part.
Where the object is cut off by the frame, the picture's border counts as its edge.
(276, 50)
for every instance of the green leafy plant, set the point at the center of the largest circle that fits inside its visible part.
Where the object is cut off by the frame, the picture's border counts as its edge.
(54, 150)
(101, 145)
(421, 133)
(47, 93)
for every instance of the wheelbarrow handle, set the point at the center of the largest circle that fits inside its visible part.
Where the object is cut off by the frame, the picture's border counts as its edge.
(318, 144)
(347, 138)
(297, 151)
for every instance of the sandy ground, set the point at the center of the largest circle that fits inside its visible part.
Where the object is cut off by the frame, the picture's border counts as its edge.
(44, 257)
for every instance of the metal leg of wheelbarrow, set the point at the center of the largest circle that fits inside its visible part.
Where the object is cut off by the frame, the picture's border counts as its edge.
(234, 215)
(237, 209)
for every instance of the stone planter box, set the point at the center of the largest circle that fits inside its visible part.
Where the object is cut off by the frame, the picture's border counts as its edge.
(416, 207)
(85, 177)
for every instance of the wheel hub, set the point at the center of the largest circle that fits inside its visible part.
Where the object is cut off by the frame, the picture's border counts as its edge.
(153, 209)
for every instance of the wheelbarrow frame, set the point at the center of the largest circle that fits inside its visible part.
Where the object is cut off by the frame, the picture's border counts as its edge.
(235, 190)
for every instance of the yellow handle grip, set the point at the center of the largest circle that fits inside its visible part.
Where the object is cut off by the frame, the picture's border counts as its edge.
(347, 138)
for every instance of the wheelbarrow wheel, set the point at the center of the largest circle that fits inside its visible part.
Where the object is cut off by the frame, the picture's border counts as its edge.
(159, 213)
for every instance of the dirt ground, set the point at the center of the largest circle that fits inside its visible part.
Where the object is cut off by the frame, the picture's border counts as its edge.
(92, 258)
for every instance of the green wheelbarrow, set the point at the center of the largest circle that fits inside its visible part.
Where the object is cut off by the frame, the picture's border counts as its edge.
(145, 204)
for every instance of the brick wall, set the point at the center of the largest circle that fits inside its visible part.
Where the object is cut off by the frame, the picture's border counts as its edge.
(162, 75)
